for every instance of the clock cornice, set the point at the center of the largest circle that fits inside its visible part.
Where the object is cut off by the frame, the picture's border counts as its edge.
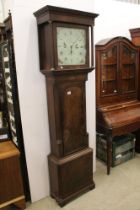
(54, 14)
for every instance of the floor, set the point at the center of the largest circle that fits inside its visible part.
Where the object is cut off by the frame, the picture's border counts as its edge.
(118, 191)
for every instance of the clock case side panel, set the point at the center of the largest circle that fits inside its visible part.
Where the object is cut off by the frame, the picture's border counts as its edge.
(54, 118)
(66, 98)
(46, 51)
(76, 26)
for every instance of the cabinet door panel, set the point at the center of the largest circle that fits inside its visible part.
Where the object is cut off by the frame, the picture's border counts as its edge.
(128, 85)
(108, 68)
(73, 118)
(128, 69)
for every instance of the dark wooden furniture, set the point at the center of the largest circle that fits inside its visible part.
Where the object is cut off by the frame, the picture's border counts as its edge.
(10, 106)
(11, 187)
(4, 129)
(135, 36)
(64, 36)
(118, 109)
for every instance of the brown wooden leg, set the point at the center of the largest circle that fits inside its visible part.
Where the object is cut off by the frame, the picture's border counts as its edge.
(20, 204)
(109, 153)
(137, 143)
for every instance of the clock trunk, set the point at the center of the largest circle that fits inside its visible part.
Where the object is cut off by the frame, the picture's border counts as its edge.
(68, 113)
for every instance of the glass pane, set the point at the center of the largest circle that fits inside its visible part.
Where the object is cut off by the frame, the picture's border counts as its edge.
(128, 73)
(128, 56)
(109, 71)
(128, 85)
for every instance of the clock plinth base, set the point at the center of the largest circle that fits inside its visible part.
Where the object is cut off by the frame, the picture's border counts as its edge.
(63, 202)
(71, 176)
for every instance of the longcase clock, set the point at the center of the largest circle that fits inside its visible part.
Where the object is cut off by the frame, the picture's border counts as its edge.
(66, 57)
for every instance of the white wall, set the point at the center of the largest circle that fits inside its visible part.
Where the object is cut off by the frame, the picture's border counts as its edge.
(115, 19)
(5, 6)
(1, 11)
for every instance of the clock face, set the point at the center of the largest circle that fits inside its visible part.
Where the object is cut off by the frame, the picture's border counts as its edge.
(71, 46)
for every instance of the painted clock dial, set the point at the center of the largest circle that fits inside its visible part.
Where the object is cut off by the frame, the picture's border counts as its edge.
(71, 46)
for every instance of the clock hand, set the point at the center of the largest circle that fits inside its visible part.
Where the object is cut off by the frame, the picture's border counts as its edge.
(76, 41)
(71, 49)
(76, 46)
(65, 45)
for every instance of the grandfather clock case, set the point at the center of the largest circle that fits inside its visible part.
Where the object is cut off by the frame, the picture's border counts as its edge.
(66, 49)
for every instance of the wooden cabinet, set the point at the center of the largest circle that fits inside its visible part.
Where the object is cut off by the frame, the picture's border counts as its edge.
(11, 186)
(117, 70)
(65, 36)
(118, 107)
